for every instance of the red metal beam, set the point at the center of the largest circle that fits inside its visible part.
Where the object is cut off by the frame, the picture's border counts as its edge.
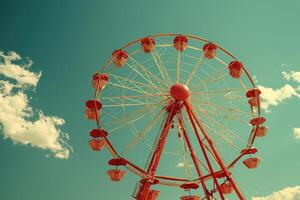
(204, 153)
(207, 195)
(145, 186)
(218, 158)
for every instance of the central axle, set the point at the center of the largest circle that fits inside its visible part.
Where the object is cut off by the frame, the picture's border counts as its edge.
(180, 92)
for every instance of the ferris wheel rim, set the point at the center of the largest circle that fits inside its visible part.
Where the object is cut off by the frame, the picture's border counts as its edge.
(115, 153)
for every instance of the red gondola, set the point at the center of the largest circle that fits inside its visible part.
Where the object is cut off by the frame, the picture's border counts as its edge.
(226, 188)
(261, 131)
(153, 194)
(253, 101)
(180, 42)
(92, 109)
(116, 174)
(147, 44)
(235, 69)
(96, 144)
(99, 81)
(190, 198)
(209, 50)
(253, 93)
(257, 120)
(96, 133)
(252, 163)
(120, 57)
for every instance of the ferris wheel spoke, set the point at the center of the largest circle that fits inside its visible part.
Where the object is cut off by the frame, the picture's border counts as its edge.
(191, 151)
(178, 67)
(136, 98)
(185, 159)
(221, 61)
(160, 65)
(140, 136)
(147, 73)
(194, 48)
(132, 117)
(218, 113)
(196, 67)
(215, 122)
(186, 118)
(227, 109)
(135, 83)
(217, 76)
(212, 130)
(126, 87)
(220, 92)
(144, 76)
(128, 104)
(243, 85)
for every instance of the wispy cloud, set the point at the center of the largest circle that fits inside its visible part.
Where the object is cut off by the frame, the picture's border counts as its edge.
(273, 97)
(18, 120)
(296, 133)
(182, 164)
(292, 75)
(288, 193)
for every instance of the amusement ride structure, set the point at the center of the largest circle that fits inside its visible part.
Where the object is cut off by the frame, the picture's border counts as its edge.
(179, 111)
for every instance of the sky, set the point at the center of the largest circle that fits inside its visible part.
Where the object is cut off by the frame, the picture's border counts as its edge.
(50, 49)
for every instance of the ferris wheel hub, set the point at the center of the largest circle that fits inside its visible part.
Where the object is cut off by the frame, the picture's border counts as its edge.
(180, 92)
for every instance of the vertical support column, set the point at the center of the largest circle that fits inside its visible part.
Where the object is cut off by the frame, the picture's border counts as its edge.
(205, 155)
(146, 184)
(207, 195)
(216, 154)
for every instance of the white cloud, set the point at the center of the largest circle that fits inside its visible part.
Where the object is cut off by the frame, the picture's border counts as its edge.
(18, 72)
(288, 193)
(296, 133)
(294, 76)
(272, 97)
(182, 164)
(18, 121)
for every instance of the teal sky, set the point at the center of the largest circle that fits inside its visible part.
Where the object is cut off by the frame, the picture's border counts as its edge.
(69, 40)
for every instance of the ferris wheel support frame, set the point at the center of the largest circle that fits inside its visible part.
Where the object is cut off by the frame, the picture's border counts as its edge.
(175, 109)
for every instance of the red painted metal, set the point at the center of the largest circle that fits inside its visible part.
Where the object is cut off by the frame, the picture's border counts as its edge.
(226, 188)
(209, 50)
(249, 151)
(153, 195)
(145, 187)
(180, 42)
(261, 131)
(253, 101)
(117, 162)
(120, 57)
(96, 144)
(147, 44)
(99, 81)
(235, 69)
(253, 93)
(92, 109)
(190, 198)
(180, 92)
(96, 133)
(257, 121)
(216, 154)
(251, 163)
(218, 174)
(188, 186)
(192, 154)
(116, 174)
(204, 151)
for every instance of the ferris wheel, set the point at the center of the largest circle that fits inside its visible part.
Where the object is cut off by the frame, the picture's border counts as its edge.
(178, 111)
